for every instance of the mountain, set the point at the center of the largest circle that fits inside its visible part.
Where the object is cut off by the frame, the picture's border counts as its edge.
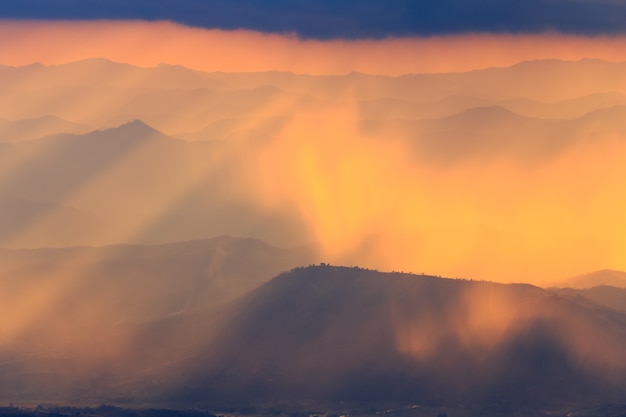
(102, 72)
(146, 186)
(348, 334)
(117, 92)
(291, 158)
(74, 314)
(494, 131)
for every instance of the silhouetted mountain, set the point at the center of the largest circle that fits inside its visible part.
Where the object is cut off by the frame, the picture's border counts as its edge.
(358, 335)
(329, 333)
(147, 187)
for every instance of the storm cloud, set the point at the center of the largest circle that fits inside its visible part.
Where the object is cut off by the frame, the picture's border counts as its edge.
(351, 19)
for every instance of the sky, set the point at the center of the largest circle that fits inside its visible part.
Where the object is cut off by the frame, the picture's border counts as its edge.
(349, 19)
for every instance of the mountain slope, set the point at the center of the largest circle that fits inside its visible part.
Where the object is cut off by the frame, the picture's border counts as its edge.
(71, 318)
(350, 334)
(146, 186)
(328, 333)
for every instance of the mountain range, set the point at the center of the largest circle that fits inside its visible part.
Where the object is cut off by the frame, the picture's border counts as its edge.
(119, 92)
(135, 184)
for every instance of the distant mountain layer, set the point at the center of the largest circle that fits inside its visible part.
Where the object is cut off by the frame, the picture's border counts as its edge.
(605, 288)
(605, 277)
(494, 131)
(143, 185)
(146, 187)
(117, 92)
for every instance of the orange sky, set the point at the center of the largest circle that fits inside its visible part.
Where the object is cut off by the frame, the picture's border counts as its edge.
(147, 44)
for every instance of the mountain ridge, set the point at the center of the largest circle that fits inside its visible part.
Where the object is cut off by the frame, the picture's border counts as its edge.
(351, 334)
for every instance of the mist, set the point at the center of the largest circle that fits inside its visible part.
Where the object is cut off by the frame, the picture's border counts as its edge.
(476, 185)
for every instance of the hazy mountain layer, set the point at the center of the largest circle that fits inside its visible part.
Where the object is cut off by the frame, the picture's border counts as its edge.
(127, 184)
(510, 174)
(177, 100)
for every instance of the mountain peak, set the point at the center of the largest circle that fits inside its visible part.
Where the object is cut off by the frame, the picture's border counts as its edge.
(478, 116)
(136, 128)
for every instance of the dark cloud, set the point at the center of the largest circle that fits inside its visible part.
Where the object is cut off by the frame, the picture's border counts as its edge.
(347, 18)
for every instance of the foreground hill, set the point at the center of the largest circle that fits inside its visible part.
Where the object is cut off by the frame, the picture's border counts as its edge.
(327, 333)
(349, 334)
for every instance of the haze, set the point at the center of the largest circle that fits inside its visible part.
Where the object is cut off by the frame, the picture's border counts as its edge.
(511, 174)
(172, 200)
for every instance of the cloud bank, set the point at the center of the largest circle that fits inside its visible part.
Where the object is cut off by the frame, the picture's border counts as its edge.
(348, 19)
